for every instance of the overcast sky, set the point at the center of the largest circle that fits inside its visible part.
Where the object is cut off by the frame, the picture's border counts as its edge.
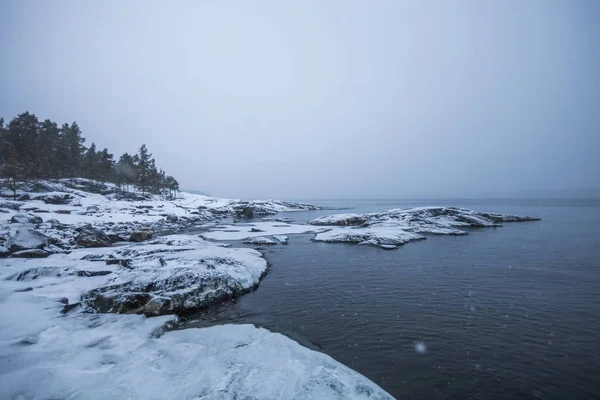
(307, 99)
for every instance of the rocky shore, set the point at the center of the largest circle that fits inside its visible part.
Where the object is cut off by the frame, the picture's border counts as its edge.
(78, 261)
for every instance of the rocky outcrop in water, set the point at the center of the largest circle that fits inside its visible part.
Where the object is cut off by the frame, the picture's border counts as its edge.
(399, 226)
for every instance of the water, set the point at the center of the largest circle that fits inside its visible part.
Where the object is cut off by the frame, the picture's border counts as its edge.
(510, 312)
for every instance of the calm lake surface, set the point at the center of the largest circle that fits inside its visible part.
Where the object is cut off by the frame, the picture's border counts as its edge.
(510, 312)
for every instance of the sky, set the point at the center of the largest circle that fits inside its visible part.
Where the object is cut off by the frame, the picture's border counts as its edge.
(321, 99)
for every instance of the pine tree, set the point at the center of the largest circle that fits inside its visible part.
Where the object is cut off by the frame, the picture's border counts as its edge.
(143, 168)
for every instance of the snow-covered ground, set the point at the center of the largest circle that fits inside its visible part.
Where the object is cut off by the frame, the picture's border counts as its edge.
(67, 326)
(396, 227)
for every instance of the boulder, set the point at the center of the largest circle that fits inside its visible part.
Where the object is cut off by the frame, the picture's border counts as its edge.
(92, 237)
(140, 236)
(171, 218)
(63, 211)
(11, 205)
(25, 218)
(55, 198)
(26, 239)
(31, 253)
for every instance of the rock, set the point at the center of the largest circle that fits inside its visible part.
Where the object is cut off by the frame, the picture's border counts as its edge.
(123, 262)
(92, 237)
(11, 205)
(63, 211)
(260, 240)
(115, 237)
(26, 239)
(41, 211)
(31, 253)
(388, 246)
(23, 197)
(55, 198)
(23, 218)
(281, 239)
(4, 252)
(398, 226)
(63, 300)
(87, 274)
(171, 218)
(93, 208)
(193, 274)
(256, 230)
(140, 236)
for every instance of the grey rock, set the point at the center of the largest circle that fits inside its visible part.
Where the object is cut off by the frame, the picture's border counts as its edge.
(92, 237)
(31, 253)
(26, 239)
(140, 236)
(25, 218)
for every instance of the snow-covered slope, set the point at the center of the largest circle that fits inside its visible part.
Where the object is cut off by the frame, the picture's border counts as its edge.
(47, 353)
(398, 226)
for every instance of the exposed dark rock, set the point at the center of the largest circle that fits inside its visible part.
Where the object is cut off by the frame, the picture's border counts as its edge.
(123, 262)
(92, 237)
(63, 300)
(177, 293)
(140, 236)
(256, 230)
(31, 253)
(63, 211)
(115, 237)
(92, 273)
(55, 198)
(23, 197)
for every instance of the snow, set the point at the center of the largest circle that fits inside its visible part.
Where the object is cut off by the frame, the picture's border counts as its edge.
(371, 236)
(267, 228)
(48, 354)
(26, 238)
(260, 240)
(98, 208)
(398, 226)
(281, 239)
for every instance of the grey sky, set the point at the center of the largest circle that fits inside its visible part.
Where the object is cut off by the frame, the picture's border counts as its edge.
(305, 99)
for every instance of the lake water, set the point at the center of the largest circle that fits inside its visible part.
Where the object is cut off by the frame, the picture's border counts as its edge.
(510, 312)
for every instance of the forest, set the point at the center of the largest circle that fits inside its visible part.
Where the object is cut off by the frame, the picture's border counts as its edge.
(33, 150)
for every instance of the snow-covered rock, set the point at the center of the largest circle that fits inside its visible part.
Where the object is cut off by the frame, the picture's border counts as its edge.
(25, 218)
(175, 274)
(373, 236)
(30, 253)
(259, 240)
(398, 226)
(26, 239)
(281, 239)
(55, 198)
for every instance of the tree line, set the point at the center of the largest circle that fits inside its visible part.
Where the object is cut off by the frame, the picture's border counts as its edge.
(31, 149)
